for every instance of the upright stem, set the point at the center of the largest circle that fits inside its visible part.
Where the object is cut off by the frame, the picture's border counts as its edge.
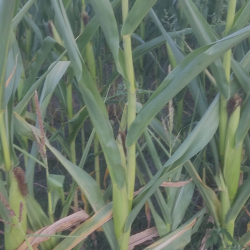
(223, 127)
(131, 104)
(227, 67)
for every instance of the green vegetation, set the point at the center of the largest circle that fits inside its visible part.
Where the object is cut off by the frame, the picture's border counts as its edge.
(133, 116)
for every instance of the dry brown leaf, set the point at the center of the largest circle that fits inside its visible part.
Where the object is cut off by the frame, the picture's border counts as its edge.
(168, 184)
(56, 227)
(163, 243)
(175, 184)
(139, 238)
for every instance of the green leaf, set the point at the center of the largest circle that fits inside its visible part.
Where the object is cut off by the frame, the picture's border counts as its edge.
(135, 16)
(51, 81)
(244, 124)
(109, 27)
(98, 114)
(242, 75)
(77, 122)
(47, 45)
(241, 18)
(179, 238)
(20, 15)
(196, 141)
(55, 186)
(82, 178)
(66, 34)
(24, 102)
(189, 68)
(90, 189)
(205, 35)
(14, 69)
(242, 196)
(6, 12)
(91, 29)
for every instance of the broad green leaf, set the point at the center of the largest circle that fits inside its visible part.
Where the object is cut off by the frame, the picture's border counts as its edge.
(90, 189)
(242, 18)
(14, 69)
(159, 222)
(66, 34)
(164, 207)
(24, 102)
(98, 114)
(77, 122)
(242, 196)
(47, 44)
(205, 35)
(51, 81)
(34, 28)
(245, 239)
(91, 29)
(179, 238)
(20, 15)
(86, 228)
(36, 216)
(244, 124)
(156, 42)
(109, 27)
(55, 187)
(195, 142)
(6, 12)
(242, 75)
(181, 204)
(189, 68)
(194, 86)
(83, 179)
(135, 16)
(209, 196)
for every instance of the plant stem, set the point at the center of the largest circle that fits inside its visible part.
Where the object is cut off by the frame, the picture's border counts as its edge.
(131, 105)
(227, 135)
(227, 67)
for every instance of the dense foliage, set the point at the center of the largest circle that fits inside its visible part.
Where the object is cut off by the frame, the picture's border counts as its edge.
(124, 124)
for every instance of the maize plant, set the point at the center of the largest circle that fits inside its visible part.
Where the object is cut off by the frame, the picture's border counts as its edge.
(124, 124)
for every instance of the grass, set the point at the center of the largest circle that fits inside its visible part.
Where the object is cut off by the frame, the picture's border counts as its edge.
(101, 99)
